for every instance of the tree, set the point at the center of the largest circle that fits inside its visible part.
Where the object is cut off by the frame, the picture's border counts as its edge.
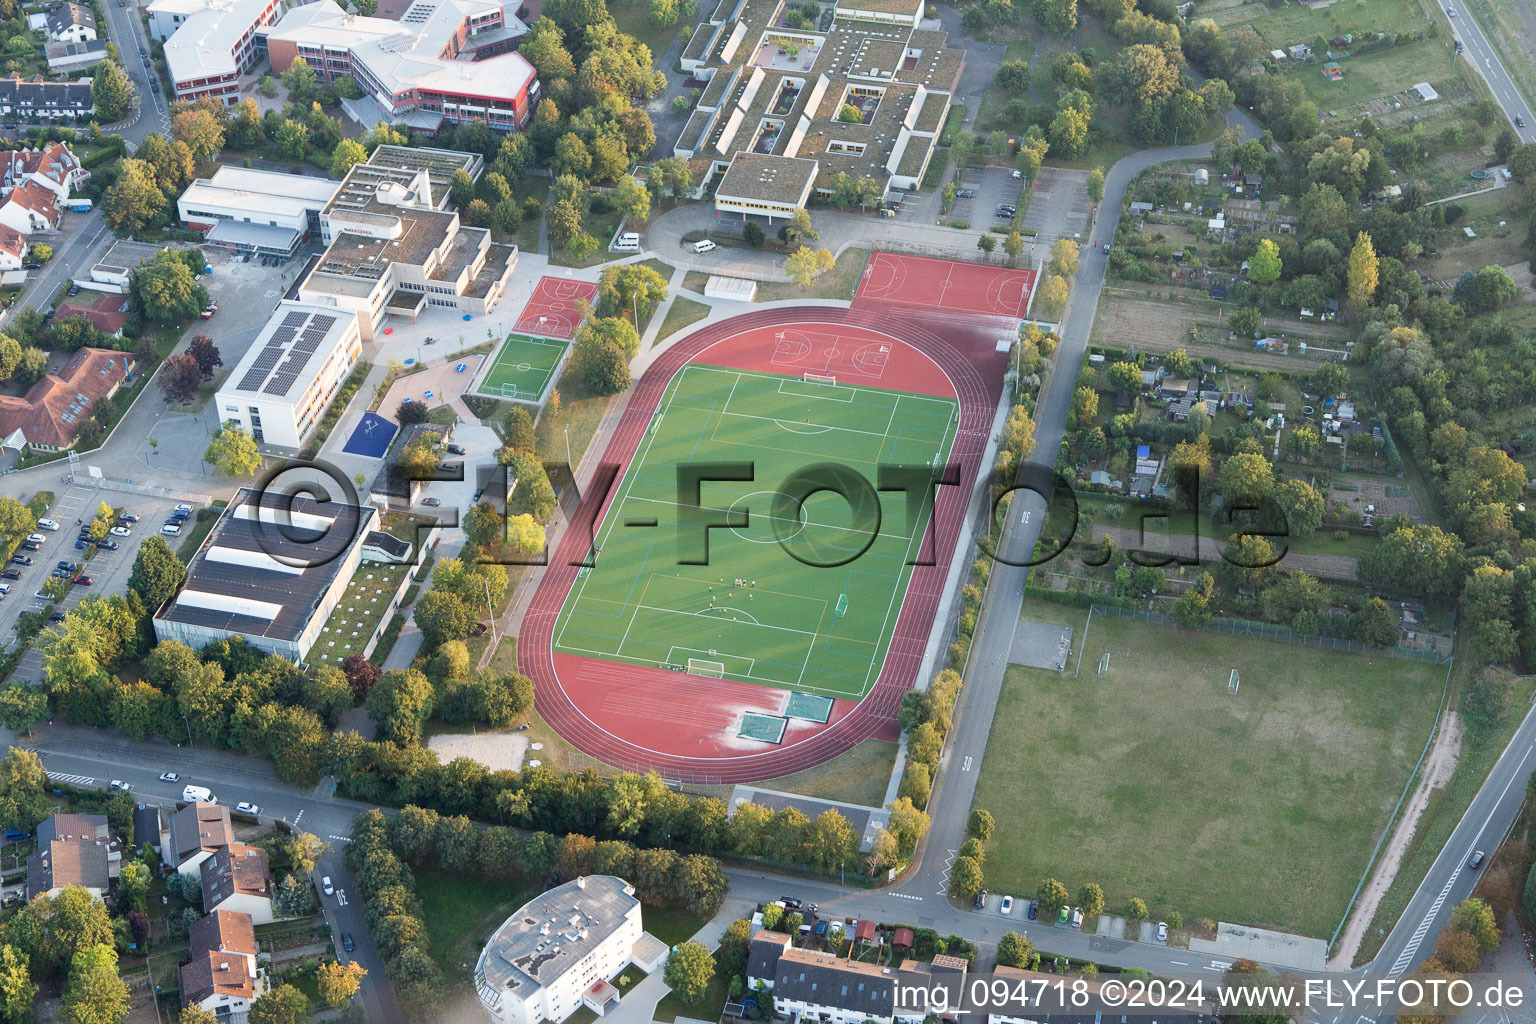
(805, 265)
(23, 790)
(1085, 404)
(1487, 289)
(233, 452)
(179, 378)
(632, 198)
(633, 289)
(689, 970)
(1051, 895)
(1363, 272)
(980, 824)
(1476, 918)
(1192, 609)
(338, 982)
(301, 82)
(442, 617)
(345, 156)
(22, 707)
(361, 674)
(1245, 321)
(600, 365)
(112, 91)
(134, 201)
(965, 878)
(1059, 17)
(1264, 264)
(1051, 302)
(1505, 142)
(1012, 77)
(1064, 257)
(524, 534)
(1245, 478)
(1014, 950)
(1096, 185)
(201, 129)
(1136, 909)
(281, 1005)
(95, 994)
(157, 572)
(166, 290)
(477, 214)
(799, 227)
(986, 243)
(16, 987)
(1090, 898)
(1422, 557)
(205, 353)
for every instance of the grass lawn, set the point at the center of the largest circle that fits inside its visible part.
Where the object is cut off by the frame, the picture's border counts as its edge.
(360, 611)
(706, 1007)
(535, 187)
(600, 226)
(1480, 748)
(666, 270)
(1295, 23)
(858, 776)
(1379, 74)
(461, 912)
(672, 925)
(633, 17)
(800, 628)
(1259, 808)
(580, 415)
(837, 283)
(695, 280)
(202, 525)
(680, 314)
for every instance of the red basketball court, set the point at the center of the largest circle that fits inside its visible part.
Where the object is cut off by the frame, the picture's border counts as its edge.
(551, 309)
(685, 726)
(945, 284)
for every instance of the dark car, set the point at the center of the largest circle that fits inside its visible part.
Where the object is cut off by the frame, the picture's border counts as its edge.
(10, 574)
(31, 265)
(1034, 910)
(128, 517)
(67, 566)
(966, 193)
(107, 545)
(56, 617)
(790, 902)
(981, 900)
(346, 942)
(31, 545)
(1519, 122)
(74, 289)
(21, 560)
(454, 449)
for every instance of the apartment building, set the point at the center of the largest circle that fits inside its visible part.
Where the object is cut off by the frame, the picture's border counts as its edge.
(209, 44)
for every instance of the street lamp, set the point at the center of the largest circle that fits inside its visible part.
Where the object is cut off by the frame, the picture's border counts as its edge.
(489, 611)
(568, 452)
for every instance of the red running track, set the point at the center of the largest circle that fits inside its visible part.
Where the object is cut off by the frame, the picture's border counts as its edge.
(554, 299)
(683, 726)
(945, 284)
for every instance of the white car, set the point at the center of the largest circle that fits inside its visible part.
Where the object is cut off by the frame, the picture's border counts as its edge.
(48, 524)
(1007, 906)
(1162, 931)
(245, 807)
(182, 508)
(120, 531)
(169, 777)
(119, 784)
(327, 887)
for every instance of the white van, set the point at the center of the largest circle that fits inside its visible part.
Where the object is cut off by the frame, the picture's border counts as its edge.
(5, 588)
(704, 246)
(195, 794)
(37, 538)
(629, 241)
(171, 530)
(48, 524)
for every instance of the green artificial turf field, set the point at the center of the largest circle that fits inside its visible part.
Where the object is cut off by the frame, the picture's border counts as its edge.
(756, 612)
(523, 368)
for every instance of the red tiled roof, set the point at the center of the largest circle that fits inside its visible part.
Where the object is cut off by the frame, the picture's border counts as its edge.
(13, 241)
(50, 413)
(107, 312)
(38, 199)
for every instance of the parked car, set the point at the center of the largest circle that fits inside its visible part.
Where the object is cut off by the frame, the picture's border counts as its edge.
(454, 449)
(1162, 931)
(67, 566)
(246, 807)
(47, 524)
(182, 508)
(346, 942)
(120, 785)
(84, 580)
(1061, 915)
(981, 900)
(1077, 917)
(1033, 910)
(171, 530)
(169, 777)
(108, 545)
(10, 574)
(432, 502)
(1007, 906)
(790, 902)
(327, 886)
(966, 193)
(128, 517)
(31, 545)
(74, 289)
(21, 560)
(120, 531)
(56, 617)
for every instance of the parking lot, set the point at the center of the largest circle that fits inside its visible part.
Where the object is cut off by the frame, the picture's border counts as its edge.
(1059, 207)
(109, 570)
(993, 187)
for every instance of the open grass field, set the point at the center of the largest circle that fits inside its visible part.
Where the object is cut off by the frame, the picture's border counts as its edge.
(1259, 807)
(804, 596)
(461, 912)
(523, 368)
(1296, 23)
(1379, 74)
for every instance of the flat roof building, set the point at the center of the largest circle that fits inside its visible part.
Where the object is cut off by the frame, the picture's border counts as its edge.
(265, 213)
(210, 44)
(272, 570)
(281, 387)
(864, 95)
(444, 60)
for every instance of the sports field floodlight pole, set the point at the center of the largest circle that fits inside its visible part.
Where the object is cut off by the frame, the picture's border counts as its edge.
(568, 450)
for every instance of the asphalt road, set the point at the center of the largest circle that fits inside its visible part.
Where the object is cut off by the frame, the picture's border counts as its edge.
(1482, 57)
(152, 114)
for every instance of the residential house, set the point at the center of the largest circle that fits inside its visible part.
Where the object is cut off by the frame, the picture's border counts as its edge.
(72, 850)
(48, 416)
(30, 208)
(54, 167)
(107, 311)
(197, 832)
(235, 878)
(13, 249)
(68, 57)
(222, 975)
(71, 23)
(818, 986)
(24, 98)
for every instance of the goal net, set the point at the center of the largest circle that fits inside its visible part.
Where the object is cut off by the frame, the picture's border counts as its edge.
(1104, 664)
(511, 391)
(820, 378)
(701, 667)
(1232, 682)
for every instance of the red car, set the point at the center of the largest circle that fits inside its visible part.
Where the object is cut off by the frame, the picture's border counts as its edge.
(84, 580)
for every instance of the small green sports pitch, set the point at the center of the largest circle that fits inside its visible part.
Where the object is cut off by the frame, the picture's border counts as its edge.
(523, 368)
(790, 596)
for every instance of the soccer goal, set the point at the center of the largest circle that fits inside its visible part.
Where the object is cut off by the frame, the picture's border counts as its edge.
(702, 667)
(819, 378)
(842, 606)
(1232, 682)
(512, 391)
(1104, 664)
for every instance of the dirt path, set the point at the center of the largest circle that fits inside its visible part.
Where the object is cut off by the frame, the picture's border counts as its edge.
(1438, 768)
(1331, 567)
